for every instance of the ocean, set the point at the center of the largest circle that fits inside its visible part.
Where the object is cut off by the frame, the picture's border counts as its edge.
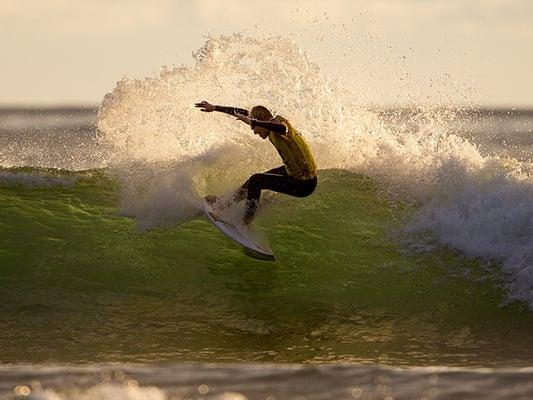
(408, 274)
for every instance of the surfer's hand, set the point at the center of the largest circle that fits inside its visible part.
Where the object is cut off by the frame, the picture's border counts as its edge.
(244, 118)
(205, 106)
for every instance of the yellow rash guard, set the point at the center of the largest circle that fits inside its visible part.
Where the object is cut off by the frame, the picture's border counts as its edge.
(294, 151)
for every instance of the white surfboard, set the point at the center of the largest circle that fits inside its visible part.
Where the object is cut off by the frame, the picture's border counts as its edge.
(238, 234)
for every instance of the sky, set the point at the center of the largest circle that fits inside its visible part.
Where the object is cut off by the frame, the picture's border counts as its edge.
(475, 52)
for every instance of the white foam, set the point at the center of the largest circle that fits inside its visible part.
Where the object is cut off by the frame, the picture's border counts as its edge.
(104, 391)
(493, 220)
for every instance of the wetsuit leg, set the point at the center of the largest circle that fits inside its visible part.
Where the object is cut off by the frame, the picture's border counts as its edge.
(240, 194)
(276, 180)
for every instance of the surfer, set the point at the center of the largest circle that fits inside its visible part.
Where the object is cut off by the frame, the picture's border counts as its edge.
(296, 177)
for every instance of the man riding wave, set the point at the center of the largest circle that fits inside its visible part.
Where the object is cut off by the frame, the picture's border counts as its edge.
(296, 177)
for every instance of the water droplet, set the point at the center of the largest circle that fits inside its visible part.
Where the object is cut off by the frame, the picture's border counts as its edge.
(203, 389)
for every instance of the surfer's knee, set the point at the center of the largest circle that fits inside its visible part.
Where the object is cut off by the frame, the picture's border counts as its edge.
(255, 179)
(254, 183)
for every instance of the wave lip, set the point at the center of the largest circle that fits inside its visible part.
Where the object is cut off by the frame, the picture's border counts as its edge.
(34, 179)
(494, 223)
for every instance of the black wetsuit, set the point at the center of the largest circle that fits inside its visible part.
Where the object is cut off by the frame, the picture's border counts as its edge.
(275, 179)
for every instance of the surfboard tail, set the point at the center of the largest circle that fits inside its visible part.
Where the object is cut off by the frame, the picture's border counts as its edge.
(239, 235)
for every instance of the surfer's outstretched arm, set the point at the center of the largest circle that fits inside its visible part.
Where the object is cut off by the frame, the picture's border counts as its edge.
(272, 126)
(208, 107)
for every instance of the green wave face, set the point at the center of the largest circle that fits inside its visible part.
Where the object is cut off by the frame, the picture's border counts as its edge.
(78, 283)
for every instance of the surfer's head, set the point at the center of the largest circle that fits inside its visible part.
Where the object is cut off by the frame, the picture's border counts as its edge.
(261, 113)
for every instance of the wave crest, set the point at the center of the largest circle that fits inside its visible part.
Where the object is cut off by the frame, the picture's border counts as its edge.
(478, 204)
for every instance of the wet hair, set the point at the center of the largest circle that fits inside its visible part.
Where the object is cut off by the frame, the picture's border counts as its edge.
(261, 113)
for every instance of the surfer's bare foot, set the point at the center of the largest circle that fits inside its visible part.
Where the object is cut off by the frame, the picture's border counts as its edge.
(221, 205)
